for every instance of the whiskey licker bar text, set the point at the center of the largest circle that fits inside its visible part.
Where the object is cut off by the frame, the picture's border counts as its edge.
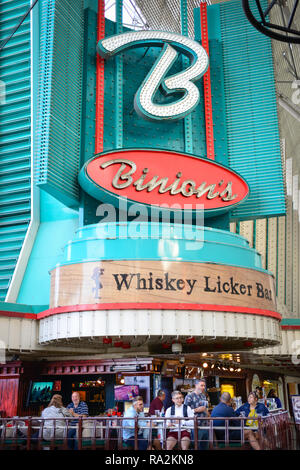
(128, 281)
(145, 281)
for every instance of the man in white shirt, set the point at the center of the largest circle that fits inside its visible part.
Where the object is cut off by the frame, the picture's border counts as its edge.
(179, 410)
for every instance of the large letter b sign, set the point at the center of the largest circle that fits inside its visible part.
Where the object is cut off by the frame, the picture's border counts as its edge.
(180, 82)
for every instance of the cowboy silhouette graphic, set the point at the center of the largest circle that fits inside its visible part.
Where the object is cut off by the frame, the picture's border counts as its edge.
(97, 273)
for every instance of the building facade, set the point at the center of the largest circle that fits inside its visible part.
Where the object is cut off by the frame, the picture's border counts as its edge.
(149, 201)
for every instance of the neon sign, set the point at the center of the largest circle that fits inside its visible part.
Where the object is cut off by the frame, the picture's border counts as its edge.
(145, 176)
(183, 82)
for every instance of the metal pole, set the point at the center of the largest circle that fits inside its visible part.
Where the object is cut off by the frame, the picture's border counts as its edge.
(99, 129)
(207, 87)
(119, 81)
(136, 428)
(188, 120)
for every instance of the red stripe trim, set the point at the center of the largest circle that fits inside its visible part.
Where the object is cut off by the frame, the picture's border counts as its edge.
(4, 313)
(290, 327)
(157, 306)
(207, 87)
(100, 81)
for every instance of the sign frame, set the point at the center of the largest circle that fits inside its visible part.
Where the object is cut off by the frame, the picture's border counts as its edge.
(104, 195)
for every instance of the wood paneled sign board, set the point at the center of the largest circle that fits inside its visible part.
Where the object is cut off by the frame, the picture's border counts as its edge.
(161, 282)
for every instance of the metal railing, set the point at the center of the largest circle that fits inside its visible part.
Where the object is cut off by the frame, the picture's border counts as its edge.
(275, 431)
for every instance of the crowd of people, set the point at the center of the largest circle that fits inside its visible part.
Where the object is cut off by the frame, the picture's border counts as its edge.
(194, 404)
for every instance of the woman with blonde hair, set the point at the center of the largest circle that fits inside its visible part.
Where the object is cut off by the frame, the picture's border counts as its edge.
(55, 409)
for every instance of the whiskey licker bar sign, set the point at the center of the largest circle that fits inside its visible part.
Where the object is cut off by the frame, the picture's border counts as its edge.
(161, 177)
(161, 282)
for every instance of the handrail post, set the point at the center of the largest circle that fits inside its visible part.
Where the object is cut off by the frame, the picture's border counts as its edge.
(136, 445)
(164, 435)
(150, 433)
(53, 435)
(94, 435)
(211, 433)
(106, 434)
(28, 444)
(242, 422)
(196, 432)
(79, 437)
(40, 433)
(14, 436)
(226, 433)
(260, 440)
(2, 434)
(65, 434)
(120, 432)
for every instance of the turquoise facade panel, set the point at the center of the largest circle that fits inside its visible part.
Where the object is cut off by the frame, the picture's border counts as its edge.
(57, 227)
(60, 99)
(158, 241)
(15, 138)
(251, 112)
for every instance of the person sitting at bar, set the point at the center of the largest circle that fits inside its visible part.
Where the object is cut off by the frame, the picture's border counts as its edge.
(156, 407)
(272, 394)
(198, 402)
(179, 410)
(77, 408)
(252, 409)
(55, 409)
(157, 403)
(225, 410)
(136, 410)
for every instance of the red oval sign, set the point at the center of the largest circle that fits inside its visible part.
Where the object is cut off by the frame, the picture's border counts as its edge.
(161, 177)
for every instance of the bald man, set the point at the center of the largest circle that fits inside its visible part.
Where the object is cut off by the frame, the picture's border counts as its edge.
(225, 410)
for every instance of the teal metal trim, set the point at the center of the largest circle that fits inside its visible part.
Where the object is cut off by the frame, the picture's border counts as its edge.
(254, 233)
(15, 139)
(290, 321)
(251, 113)
(158, 241)
(267, 240)
(119, 80)
(188, 120)
(277, 253)
(12, 307)
(87, 204)
(217, 235)
(59, 117)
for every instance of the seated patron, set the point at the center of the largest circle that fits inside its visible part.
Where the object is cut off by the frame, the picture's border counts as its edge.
(136, 410)
(225, 410)
(77, 408)
(55, 409)
(179, 410)
(156, 408)
(272, 394)
(252, 409)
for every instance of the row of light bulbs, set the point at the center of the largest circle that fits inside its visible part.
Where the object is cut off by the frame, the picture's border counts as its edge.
(219, 366)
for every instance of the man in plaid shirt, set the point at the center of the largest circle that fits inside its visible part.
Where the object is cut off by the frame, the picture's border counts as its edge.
(198, 402)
